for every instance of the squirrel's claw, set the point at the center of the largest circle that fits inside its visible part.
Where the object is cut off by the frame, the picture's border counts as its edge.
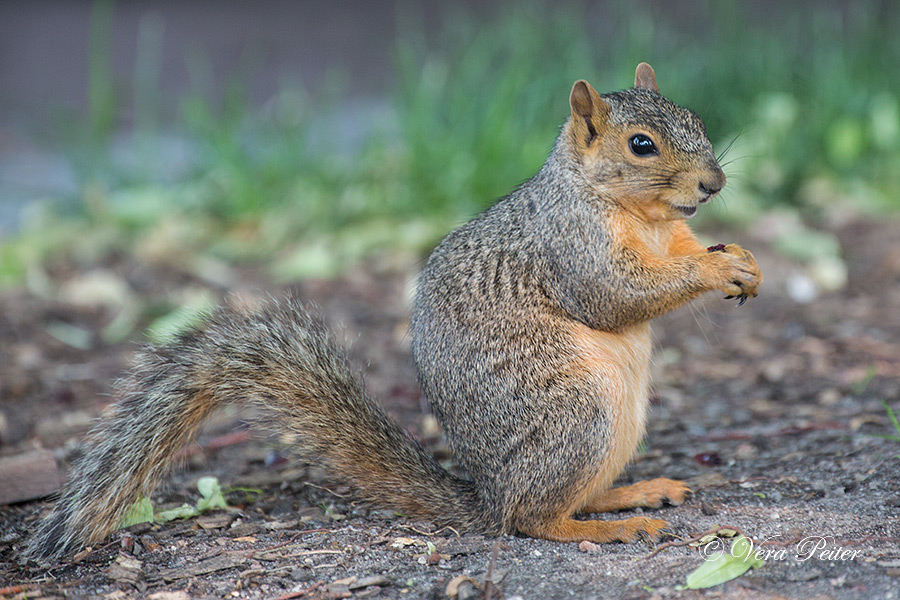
(741, 297)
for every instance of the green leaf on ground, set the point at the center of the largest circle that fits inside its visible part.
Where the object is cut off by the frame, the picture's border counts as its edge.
(725, 566)
(307, 261)
(71, 335)
(185, 511)
(139, 512)
(142, 510)
(212, 494)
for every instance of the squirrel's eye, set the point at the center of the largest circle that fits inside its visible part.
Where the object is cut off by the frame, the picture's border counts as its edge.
(642, 145)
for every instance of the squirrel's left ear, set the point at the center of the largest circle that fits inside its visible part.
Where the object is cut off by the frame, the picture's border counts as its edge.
(589, 111)
(645, 78)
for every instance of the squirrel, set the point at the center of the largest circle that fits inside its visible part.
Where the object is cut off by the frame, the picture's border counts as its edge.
(530, 335)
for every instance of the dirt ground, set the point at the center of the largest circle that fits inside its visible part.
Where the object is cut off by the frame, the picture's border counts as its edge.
(772, 411)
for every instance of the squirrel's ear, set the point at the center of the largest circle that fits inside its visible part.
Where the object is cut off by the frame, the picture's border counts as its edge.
(589, 110)
(645, 78)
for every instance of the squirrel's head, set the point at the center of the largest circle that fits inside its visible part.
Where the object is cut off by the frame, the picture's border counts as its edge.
(637, 147)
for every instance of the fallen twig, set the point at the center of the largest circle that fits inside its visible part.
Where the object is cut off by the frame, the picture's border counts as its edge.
(425, 533)
(325, 489)
(488, 578)
(89, 551)
(272, 555)
(696, 538)
(302, 592)
(290, 541)
(17, 589)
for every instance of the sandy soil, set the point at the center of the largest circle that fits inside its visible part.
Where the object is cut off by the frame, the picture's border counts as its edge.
(771, 410)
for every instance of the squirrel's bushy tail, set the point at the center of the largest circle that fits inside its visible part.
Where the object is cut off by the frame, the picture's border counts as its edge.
(281, 359)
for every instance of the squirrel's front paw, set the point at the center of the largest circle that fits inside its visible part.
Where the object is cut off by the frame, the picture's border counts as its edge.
(641, 527)
(734, 271)
(648, 494)
(653, 492)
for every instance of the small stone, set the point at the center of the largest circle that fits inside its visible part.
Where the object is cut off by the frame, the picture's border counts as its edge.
(708, 509)
(371, 580)
(829, 397)
(745, 451)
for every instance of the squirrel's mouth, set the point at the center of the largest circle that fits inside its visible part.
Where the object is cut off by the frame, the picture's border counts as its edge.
(687, 211)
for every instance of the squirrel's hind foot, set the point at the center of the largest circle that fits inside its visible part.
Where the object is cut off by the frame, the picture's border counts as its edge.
(626, 530)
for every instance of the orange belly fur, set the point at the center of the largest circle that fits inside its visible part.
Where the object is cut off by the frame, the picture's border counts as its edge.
(619, 363)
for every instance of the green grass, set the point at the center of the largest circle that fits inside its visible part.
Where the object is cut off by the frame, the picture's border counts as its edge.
(806, 99)
(894, 422)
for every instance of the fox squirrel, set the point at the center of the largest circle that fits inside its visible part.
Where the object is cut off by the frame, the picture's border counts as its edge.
(530, 334)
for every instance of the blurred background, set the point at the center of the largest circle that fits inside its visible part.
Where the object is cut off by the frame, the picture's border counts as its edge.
(306, 136)
(156, 156)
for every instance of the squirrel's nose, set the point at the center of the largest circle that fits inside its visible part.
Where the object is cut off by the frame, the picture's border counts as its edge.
(708, 189)
(712, 183)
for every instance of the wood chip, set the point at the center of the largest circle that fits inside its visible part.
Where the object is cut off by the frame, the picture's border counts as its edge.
(215, 521)
(371, 580)
(467, 544)
(28, 476)
(461, 585)
(125, 569)
(706, 480)
(244, 530)
(279, 525)
(169, 596)
(209, 565)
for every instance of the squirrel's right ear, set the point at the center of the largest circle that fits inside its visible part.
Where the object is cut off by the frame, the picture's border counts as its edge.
(589, 110)
(645, 78)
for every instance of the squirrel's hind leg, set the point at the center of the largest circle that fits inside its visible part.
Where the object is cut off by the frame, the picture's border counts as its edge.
(541, 505)
(645, 494)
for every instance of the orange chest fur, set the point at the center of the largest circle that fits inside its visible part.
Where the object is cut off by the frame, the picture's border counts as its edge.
(651, 237)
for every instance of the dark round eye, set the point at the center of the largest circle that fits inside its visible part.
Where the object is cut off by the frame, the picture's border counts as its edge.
(642, 145)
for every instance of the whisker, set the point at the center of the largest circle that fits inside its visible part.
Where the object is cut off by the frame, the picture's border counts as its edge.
(730, 144)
